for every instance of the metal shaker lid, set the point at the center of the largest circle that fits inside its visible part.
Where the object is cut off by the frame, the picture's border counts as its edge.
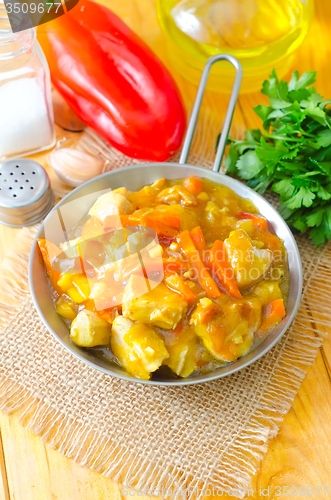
(25, 193)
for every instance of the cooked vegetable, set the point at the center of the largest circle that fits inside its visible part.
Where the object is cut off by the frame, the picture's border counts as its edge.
(193, 184)
(171, 220)
(191, 253)
(177, 277)
(199, 240)
(76, 286)
(173, 265)
(66, 308)
(114, 82)
(291, 155)
(256, 219)
(273, 314)
(89, 330)
(175, 282)
(49, 253)
(138, 347)
(223, 270)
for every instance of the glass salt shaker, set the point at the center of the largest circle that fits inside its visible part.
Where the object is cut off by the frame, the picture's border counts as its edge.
(26, 110)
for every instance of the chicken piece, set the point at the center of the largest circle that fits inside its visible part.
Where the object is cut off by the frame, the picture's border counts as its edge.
(139, 349)
(189, 218)
(246, 225)
(184, 348)
(146, 196)
(249, 309)
(110, 204)
(248, 262)
(267, 291)
(216, 217)
(177, 194)
(249, 313)
(204, 311)
(160, 306)
(75, 285)
(66, 307)
(229, 334)
(213, 335)
(88, 330)
(123, 191)
(139, 240)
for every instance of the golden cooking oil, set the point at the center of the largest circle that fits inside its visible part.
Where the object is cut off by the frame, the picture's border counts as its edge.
(262, 34)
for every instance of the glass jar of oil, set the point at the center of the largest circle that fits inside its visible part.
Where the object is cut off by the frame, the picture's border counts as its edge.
(262, 34)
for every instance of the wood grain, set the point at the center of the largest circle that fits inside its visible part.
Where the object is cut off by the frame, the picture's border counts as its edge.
(300, 454)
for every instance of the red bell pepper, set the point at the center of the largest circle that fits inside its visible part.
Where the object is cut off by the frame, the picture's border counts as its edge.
(114, 82)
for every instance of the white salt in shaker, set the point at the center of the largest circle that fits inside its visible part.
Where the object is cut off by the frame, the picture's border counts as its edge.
(26, 111)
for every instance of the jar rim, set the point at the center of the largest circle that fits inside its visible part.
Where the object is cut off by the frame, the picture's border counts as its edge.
(14, 43)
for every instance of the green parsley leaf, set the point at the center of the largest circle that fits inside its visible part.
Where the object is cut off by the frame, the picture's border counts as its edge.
(324, 138)
(303, 197)
(249, 165)
(291, 154)
(284, 188)
(315, 218)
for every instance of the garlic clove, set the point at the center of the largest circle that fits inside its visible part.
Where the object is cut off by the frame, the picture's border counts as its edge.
(74, 167)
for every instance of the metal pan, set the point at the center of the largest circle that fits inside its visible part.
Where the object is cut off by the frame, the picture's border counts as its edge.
(76, 204)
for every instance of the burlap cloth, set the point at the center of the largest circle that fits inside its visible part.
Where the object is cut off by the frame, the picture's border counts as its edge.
(210, 435)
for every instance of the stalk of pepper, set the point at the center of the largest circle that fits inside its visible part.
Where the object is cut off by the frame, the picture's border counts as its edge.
(114, 82)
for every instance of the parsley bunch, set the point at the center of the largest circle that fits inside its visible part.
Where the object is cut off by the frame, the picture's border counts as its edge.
(291, 155)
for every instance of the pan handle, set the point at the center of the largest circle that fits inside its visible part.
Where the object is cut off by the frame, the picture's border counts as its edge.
(197, 105)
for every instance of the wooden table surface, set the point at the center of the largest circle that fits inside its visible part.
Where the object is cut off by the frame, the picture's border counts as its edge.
(301, 453)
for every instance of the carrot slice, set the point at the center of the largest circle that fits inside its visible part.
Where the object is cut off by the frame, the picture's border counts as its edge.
(257, 220)
(171, 220)
(273, 314)
(198, 239)
(49, 252)
(190, 251)
(174, 265)
(222, 268)
(113, 222)
(193, 184)
(175, 282)
(162, 229)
